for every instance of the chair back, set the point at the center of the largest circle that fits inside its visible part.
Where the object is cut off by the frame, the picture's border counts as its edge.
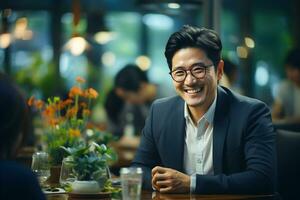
(291, 126)
(288, 158)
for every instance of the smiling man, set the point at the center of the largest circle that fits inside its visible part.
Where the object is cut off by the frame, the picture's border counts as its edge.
(208, 139)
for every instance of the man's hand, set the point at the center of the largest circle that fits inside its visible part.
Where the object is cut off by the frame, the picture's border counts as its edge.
(166, 180)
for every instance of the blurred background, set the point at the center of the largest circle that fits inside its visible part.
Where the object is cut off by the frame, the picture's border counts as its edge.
(45, 44)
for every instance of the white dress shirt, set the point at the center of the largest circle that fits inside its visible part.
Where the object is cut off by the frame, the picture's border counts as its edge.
(198, 148)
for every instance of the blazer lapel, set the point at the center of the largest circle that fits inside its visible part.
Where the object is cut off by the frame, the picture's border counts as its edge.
(221, 121)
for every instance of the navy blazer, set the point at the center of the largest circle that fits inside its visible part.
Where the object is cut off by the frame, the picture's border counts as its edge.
(243, 144)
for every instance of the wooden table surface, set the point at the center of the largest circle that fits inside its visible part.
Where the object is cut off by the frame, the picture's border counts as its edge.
(148, 195)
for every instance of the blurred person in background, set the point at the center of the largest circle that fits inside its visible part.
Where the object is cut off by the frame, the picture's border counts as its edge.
(230, 76)
(286, 106)
(127, 104)
(16, 181)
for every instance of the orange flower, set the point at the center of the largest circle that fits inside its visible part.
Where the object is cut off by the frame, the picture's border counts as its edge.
(68, 102)
(60, 105)
(53, 121)
(86, 112)
(74, 132)
(80, 79)
(83, 104)
(39, 104)
(72, 112)
(92, 93)
(90, 126)
(31, 101)
(49, 112)
(74, 91)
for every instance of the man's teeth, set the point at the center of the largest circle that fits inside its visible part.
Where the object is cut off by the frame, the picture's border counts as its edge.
(193, 91)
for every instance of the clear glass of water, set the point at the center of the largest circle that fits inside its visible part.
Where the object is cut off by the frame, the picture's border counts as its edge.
(67, 175)
(131, 181)
(40, 166)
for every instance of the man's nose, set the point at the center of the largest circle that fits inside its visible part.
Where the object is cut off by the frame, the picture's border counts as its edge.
(189, 79)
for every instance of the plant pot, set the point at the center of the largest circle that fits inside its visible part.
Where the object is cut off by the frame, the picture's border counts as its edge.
(86, 187)
(53, 180)
(94, 185)
(101, 181)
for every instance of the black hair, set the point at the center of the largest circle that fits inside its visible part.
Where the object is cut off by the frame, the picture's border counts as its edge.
(113, 105)
(13, 117)
(293, 58)
(130, 78)
(191, 36)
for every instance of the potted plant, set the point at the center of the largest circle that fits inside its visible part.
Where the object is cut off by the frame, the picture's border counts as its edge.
(89, 163)
(66, 123)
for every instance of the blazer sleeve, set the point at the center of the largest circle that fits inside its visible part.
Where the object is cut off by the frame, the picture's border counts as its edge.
(259, 149)
(147, 155)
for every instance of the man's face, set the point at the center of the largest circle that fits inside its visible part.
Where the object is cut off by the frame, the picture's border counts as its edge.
(197, 93)
(293, 74)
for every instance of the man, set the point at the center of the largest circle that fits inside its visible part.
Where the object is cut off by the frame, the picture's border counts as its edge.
(207, 140)
(133, 86)
(230, 76)
(130, 99)
(286, 107)
(127, 106)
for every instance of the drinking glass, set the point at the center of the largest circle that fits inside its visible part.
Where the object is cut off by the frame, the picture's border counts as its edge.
(67, 175)
(40, 166)
(131, 180)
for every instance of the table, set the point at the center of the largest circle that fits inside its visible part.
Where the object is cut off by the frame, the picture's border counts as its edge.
(148, 195)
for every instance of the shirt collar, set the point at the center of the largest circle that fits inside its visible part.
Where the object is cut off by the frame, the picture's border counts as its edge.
(209, 115)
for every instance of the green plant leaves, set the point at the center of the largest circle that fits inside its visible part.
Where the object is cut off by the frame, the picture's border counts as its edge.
(89, 161)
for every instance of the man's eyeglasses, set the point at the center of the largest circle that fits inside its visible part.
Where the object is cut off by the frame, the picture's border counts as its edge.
(197, 70)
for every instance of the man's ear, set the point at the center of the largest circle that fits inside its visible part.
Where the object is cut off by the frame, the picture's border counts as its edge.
(220, 69)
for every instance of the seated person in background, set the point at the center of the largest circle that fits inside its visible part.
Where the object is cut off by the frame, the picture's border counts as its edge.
(206, 140)
(113, 107)
(127, 104)
(16, 181)
(230, 76)
(286, 106)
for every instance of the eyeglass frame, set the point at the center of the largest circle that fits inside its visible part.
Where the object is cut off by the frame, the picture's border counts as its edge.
(202, 65)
